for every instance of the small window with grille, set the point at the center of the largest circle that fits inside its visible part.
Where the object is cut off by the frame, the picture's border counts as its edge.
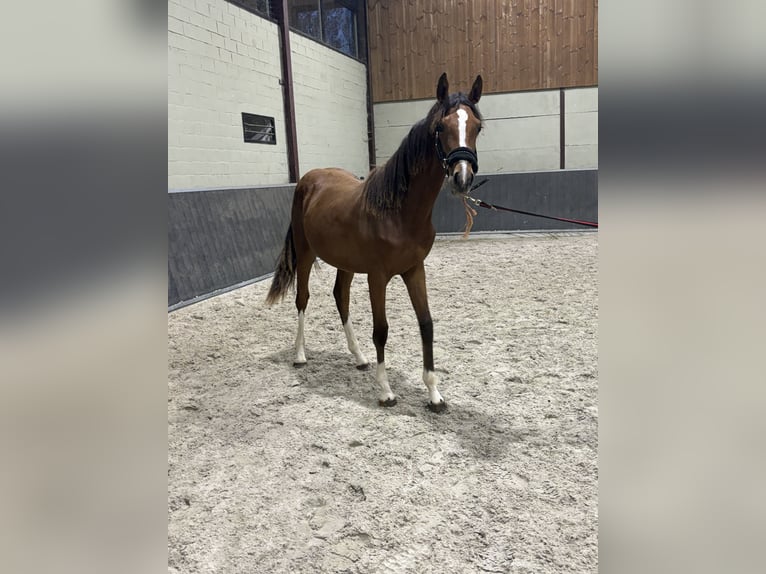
(258, 129)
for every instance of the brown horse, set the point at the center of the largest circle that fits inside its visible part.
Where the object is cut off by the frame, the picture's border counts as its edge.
(382, 227)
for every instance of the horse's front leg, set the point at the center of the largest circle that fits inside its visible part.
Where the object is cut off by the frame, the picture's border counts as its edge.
(415, 279)
(378, 284)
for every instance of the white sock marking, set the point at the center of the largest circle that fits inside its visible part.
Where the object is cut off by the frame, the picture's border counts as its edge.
(462, 118)
(382, 378)
(429, 378)
(353, 344)
(300, 345)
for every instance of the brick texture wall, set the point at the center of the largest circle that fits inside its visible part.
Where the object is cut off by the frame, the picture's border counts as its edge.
(222, 61)
(330, 107)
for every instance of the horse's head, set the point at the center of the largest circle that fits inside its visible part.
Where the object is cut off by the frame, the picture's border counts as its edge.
(456, 133)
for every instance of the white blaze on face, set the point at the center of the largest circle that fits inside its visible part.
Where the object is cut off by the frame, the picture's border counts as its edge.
(462, 118)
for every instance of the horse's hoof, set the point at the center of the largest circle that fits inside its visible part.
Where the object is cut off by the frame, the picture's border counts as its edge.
(387, 402)
(365, 367)
(299, 365)
(438, 408)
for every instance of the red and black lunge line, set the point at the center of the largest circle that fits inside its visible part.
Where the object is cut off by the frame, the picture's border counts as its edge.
(501, 208)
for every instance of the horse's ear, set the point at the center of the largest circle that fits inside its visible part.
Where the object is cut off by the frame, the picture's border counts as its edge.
(476, 90)
(442, 88)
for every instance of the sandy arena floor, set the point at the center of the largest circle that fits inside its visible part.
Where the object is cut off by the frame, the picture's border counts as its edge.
(277, 469)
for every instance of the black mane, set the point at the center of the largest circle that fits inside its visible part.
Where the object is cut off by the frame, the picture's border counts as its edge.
(387, 186)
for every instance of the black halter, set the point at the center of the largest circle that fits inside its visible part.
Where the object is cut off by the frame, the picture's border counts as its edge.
(456, 155)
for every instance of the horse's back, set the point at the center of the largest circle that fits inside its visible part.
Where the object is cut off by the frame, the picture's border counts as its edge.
(332, 189)
(329, 180)
(328, 208)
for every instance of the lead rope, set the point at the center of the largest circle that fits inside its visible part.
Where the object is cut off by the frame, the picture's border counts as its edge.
(470, 213)
(481, 203)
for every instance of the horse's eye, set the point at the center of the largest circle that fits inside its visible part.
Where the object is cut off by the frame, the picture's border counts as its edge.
(439, 128)
(479, 129)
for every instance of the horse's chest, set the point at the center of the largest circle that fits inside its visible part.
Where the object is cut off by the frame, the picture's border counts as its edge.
(403, 253)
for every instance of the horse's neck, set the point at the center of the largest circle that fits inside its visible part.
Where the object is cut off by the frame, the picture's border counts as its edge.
(422, 193)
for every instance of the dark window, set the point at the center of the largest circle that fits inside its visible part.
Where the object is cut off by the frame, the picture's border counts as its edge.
(332, 22)
(339, 27)
(258, 129)
(256, 6)
(304, 16)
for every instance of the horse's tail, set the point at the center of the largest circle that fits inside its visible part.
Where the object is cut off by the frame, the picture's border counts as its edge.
(284, 275)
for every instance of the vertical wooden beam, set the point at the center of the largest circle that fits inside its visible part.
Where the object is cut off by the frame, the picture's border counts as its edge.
(562, 140)
(370, 107)
(281, 13)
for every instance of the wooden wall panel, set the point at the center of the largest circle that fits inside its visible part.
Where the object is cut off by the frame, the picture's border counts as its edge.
(515, 44)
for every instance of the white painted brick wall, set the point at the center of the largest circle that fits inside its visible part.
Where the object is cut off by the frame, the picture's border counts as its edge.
(330, 107)
(222, 61)
(521, 131)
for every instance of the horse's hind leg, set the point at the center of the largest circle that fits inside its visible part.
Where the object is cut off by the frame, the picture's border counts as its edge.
(415, 279)
(342, 292)
(305, 261)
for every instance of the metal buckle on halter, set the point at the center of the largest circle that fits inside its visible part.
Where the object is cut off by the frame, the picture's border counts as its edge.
(440, 155)
(475, 200)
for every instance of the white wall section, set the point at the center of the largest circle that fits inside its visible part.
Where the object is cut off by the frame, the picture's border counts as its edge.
(521, 133)
(581, 127)
(222, 61)
(330, 107)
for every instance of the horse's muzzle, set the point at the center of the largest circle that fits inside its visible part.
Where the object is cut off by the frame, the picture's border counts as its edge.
(462, 177)
(462, 164)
